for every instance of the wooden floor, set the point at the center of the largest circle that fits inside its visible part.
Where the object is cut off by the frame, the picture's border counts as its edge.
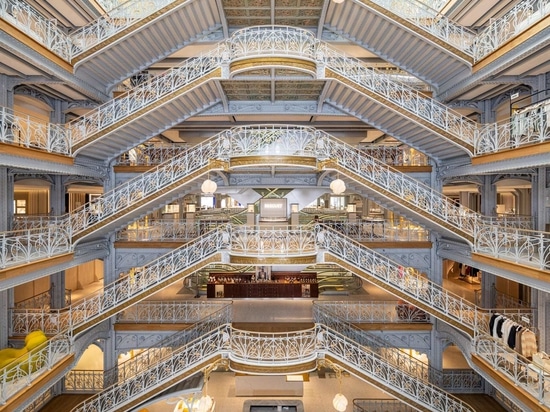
(63, 403)
(481, 403)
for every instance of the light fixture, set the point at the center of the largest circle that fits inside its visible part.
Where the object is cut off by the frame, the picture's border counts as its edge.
(206, 403)
(340, 402)
(209, 186)
(337, 186)
(338, 1)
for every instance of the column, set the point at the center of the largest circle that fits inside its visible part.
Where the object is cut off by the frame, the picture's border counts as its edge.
(488, 193)
(6, 214)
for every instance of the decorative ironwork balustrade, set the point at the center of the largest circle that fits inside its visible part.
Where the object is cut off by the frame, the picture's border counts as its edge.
(350, 353)
(407, 280)
(120, 292)
(379, 230)
(323, 313)
(25, 222)
(531, 248)
(27, 246)
(21, 373)
(396, 155)
(265, 241)
(373, 312)
(386, 405)
(148, 155)
(169, 311)
(299, 43)
(515, 367)
(31, 22)
(41, 300)
(273, 349)
(177, 361)
(23, 130)
(520, 17)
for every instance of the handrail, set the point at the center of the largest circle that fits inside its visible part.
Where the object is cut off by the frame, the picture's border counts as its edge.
(285, 41)
(528, 247)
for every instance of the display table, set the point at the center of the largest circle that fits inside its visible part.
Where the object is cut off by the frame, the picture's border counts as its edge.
(262, 290)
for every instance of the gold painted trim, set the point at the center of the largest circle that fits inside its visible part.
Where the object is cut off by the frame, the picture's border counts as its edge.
(523, 270)
(407, 244)
(304, 367)
(329, 74)
(255, 63)
(516, 153)
(512, 43)
(518, 392)
(216, 73)
(35, 154)
(273, 260)
(132, 29)
(332, 164)
(329, 258)
(26, 268)
(28, 41)
(445, 46)
(259, 160)
(368, 378)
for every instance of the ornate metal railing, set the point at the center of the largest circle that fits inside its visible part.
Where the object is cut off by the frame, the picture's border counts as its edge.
(116, 20)
(31, 22)
(349, 352)
(26, 246)
(368, 230)
(407, 280)
(517, 245)
(273, 349)
(290, 140)
(274, 241)
(25, 222)
(514, 366)
(468, 381)
(425, 16)
(23, 130)
(122, 290)
(151, 154)
(175, 362)
(169, 311)
(288, 41)
(396, 155)
(519, 18)
(374, 311)
(526, 126)
(21, 373)
(41, 300)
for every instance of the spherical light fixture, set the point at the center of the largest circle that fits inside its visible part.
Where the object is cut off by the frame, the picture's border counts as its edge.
(340, 402)
(209, 186)
(338, 186)
(205, 404)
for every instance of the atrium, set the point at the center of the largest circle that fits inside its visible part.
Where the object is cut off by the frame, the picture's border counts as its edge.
(265, 195)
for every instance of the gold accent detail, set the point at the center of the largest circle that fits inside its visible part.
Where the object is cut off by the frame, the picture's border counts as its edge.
(332, 164)
(34, 153)
(257, 62)
(273, 260)
(213, 164)
(301, 161)
(148, 108)
(397, 292)
(304, 367)
(11, 272)
(132, 28)
(416, 29)
(329, 74)
(215, 258)
(515, 153)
